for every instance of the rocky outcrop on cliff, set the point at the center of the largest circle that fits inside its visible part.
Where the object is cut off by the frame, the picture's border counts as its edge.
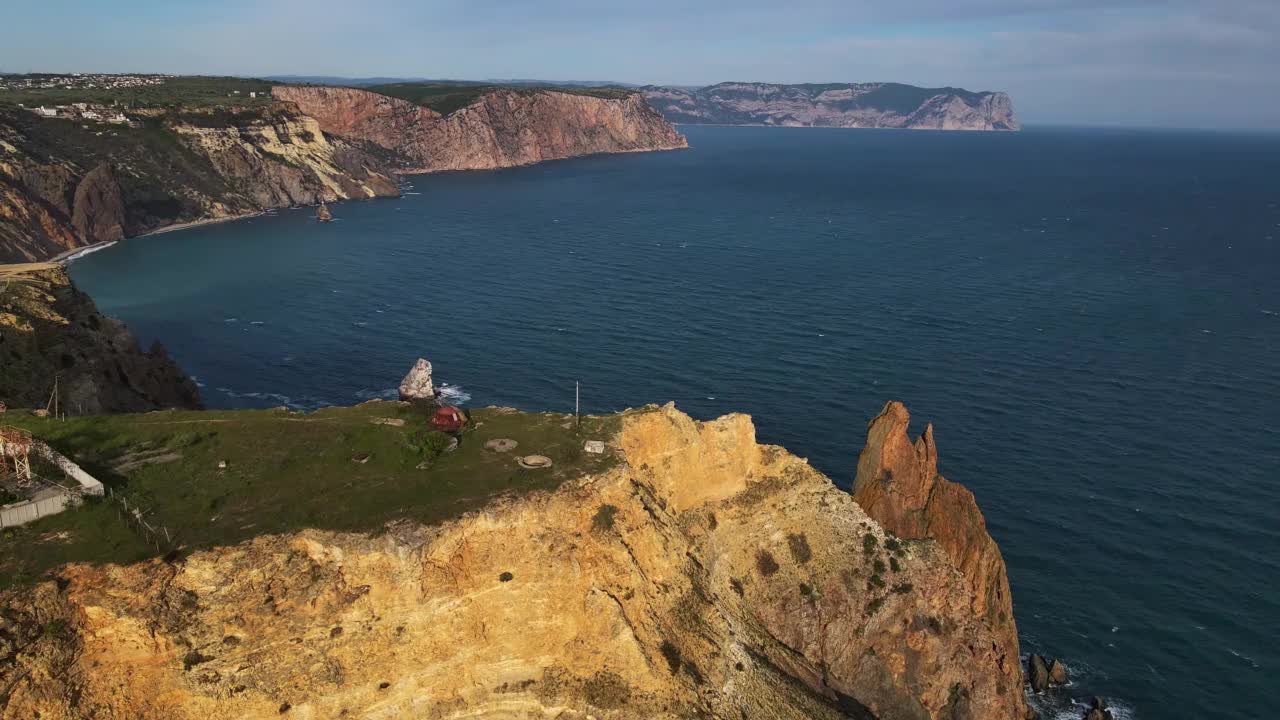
(703, 576)
(417, 385)
(898, 484)
(49, 329)
(504, 127)
(862, 105)
(65, 185)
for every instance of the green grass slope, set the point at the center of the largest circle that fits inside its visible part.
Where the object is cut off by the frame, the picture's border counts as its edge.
(284, 471)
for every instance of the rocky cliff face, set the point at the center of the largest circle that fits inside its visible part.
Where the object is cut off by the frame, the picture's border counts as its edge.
(898, 484)
(866, 105)
(706, 576)
(49, 328)
(64, 185)
(502, 128)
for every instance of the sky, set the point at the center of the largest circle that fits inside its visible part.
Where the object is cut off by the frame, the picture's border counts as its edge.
(1171, 63)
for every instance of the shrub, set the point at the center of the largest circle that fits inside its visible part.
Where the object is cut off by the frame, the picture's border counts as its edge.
(805, 590)
(878, 566)
(875, 581)
(868, 543)
(672, 654)
(766, 564)
(893, 564)
(902, 588)
(55, 629)
(430, 444)
(874, 605)
(800, 549)
(603, 519)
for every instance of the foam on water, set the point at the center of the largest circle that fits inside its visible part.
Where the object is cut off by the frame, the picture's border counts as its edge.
(87, 251)
(453, 394)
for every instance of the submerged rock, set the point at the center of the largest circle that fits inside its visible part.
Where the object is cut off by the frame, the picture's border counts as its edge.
(417, 384)
(1098, 710)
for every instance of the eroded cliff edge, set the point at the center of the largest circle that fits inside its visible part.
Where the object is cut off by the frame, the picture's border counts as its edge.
(703, 576)
(501, 128)
(51, 332)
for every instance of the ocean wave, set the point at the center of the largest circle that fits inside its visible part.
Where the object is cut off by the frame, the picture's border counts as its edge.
(1058, 707)
(453, 394)
(273, 397)
(366, 395)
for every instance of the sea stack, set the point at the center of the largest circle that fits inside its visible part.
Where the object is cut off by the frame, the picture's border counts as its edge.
(417, 384)
(898, 485)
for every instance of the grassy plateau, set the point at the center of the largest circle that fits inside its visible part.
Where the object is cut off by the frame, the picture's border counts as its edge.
(283, 471)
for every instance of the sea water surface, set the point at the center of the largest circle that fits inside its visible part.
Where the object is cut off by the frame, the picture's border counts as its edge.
(1091, 318)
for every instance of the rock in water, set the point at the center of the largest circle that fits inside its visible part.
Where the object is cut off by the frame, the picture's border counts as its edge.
(1098, 710)
(1057, 673)
(417, 384)
(1038, 673)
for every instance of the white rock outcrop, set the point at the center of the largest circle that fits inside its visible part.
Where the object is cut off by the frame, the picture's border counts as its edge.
(417, 384)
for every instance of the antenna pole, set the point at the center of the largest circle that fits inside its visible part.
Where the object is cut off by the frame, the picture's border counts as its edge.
(577, 406)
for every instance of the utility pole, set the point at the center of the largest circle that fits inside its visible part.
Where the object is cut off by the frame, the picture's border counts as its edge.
(577, 406)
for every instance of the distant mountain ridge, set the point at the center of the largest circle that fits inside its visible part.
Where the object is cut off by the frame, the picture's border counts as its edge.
(849, 105)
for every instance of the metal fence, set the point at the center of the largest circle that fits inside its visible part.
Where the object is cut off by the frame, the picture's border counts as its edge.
(155, 534)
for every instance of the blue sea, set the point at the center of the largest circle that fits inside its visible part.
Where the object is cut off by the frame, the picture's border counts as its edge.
(1091, 318)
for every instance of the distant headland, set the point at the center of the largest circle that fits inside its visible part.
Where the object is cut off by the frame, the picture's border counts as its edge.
(845, 105)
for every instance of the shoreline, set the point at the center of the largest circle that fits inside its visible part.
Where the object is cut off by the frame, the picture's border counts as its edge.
(203, 221)
(68, 256)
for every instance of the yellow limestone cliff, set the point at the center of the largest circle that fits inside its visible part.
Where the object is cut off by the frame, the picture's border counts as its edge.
(705, 576)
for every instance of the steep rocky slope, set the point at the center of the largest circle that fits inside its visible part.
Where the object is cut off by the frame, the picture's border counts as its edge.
(898, 484)
(865, 105)
(49, 329)
(706, 576)
(501, 128)
(64, 184)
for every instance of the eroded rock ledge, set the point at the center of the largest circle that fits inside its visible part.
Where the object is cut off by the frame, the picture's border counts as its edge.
(706, 576)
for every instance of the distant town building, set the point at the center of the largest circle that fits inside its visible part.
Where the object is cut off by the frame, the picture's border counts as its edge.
(43, 111)
(90, 115)
(253, 94)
